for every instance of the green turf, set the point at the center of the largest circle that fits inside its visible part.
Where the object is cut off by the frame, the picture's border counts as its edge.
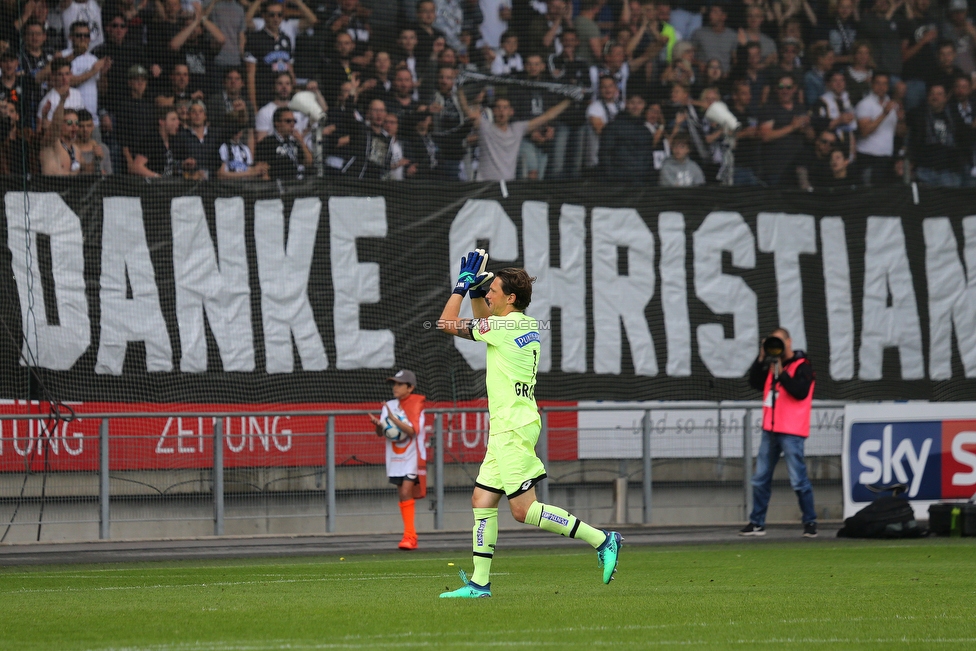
(810, 594)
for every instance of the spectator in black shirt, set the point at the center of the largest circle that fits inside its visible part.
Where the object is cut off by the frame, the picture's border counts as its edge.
(451, 127)
(348, 19)
(54, 35)
(344, 120)
(113, 85)
(838, 165)
(379, 82)
(627, 145)
(287, 156)
(157, 153)
(531, 103)
(789, 52)
(197, 44)
(566, 68)
(406, 54)
(128, 10)
(544, 31)
(313, 41)
(339, 68)
(946, 71)
(179, 89)
(12, 114)
(266, 53)
(135, 117)
(161, 28)
(11, 15)
(401, 100)
(446, 56)
(935, 141)
(425, 30)
(421, 150)
(963, 109)
(12, 86)
(228, 108)
(749, 68)
(813, 170)
(880, 28)
(661, 148)
(919, 37)
(371, 145)
(783, 129)
(200, 144)
(748, 159)
(34, 61)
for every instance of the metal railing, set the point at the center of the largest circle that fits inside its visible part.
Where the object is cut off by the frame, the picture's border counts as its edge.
(436, 443)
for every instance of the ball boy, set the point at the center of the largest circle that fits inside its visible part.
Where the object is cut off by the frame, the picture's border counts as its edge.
(406, 460)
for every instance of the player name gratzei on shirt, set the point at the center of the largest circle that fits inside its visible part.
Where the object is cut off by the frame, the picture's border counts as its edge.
(512, 364)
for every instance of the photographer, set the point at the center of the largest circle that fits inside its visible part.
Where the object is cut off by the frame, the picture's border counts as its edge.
(786, 379)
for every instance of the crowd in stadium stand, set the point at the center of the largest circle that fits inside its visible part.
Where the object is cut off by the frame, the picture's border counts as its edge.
(829, 93)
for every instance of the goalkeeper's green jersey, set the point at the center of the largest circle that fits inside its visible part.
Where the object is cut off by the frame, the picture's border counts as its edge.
(513, 359)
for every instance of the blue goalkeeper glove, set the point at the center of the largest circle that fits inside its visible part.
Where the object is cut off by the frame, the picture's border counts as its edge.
(482, 278)
(472, 276)
(467, 276)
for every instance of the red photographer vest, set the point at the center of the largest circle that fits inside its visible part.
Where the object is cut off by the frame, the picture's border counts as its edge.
(788, 415)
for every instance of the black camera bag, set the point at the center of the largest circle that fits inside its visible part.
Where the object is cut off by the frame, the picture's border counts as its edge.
(886, 517)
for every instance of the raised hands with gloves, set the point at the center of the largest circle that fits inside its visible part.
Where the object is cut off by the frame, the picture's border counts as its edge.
(472, 276)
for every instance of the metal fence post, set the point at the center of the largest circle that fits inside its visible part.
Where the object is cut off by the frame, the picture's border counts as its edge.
(103, 488)
(620, 487)
(543, 451)
(747, 463)
(439, 470)
(218, 476)
(718, 425)
(330, 478)
(646, 453)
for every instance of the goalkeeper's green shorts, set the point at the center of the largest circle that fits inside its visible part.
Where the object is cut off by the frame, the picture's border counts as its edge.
(511, 466)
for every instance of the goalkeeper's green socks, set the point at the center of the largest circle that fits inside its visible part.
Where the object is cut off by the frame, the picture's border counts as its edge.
(557, 520)
(483, 539)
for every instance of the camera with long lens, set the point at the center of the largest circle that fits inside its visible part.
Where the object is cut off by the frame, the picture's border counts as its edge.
(773, 347)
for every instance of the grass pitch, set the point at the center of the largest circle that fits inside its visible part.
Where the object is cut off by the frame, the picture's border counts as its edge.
(805, 595)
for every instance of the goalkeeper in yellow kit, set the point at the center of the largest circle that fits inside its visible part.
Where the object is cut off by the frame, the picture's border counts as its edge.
(511, 466)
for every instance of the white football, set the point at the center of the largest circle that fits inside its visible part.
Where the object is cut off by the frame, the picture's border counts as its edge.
(392, 432)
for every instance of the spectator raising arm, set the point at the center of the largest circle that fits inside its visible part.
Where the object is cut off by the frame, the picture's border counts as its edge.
(252, 11)
(52, 131)
(307, 17)
(200, 17)
(250, 68)
(549, 115)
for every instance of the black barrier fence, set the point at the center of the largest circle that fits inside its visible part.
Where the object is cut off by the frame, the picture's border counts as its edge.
(125, 291)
